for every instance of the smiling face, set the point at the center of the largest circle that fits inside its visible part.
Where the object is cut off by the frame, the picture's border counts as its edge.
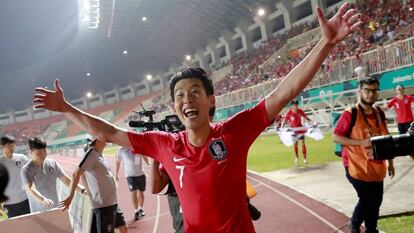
(192, 104)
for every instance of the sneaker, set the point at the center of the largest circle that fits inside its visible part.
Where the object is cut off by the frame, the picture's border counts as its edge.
(136, 216)
(296, 160)
(305, 161)
(352, 228)
(141, 212)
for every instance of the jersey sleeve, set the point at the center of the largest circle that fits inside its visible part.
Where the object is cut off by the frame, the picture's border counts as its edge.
(287, 117)
(151, 144)
(391, 103)
(27, 178)
(59, 169)
(302, 113)
(343, 127)
(246, 126)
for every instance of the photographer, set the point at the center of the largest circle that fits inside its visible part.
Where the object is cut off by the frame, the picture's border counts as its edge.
(366, 175)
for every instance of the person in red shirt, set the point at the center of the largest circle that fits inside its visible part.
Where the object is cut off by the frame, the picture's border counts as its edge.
(402, 105)
(207, 162)
(294, 117)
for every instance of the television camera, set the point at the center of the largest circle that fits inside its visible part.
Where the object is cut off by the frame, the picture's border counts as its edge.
(171, 123)
(387, 146)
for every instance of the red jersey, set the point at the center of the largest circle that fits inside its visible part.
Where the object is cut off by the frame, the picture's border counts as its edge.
(403, 108)
(210, 180)
(294, 119)
(343, 129)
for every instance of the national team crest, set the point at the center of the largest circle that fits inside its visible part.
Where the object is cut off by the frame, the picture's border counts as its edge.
(18, 164)
(217, 149)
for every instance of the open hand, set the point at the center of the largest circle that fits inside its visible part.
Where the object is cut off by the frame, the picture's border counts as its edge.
(47, 203)
(49, 99)
(340, 25)
(65, 203)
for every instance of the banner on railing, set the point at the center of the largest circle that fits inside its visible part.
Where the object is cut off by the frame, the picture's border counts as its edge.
(403, 77)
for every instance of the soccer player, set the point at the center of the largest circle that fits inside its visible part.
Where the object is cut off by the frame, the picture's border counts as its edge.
(402, 105)
(207, 162)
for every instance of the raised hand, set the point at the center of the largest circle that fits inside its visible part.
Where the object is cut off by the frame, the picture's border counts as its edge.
(339, 26)
(52, 100)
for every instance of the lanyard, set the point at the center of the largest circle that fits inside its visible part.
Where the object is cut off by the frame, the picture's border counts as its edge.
(366, 120)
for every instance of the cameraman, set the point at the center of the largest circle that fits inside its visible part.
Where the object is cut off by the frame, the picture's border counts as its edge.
(365, 174)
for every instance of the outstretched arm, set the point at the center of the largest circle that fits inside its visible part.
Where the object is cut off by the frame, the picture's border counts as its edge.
(75, 180)
(68, 182)
(54, 100)
(333, 31)
(117, 166)
(33, 192)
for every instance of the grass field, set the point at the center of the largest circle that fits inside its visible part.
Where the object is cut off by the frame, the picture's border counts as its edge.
(268, 154)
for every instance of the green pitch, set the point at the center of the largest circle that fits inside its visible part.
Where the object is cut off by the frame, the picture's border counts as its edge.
(268, 154)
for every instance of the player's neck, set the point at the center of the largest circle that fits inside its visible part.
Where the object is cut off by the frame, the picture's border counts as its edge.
(197, 137)
(8, 155)
(38, 162)
(400, 96)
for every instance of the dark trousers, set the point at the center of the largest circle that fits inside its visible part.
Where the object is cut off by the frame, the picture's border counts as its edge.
(403, 127)
(177, 216)
(106, 219)
(370, 199)
(18, 209)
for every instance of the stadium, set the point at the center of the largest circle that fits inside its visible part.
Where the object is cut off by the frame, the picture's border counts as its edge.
(116, 59)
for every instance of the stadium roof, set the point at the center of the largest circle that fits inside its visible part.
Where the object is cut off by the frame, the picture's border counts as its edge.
(42, 41)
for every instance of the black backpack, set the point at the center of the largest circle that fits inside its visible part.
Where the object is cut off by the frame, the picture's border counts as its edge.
(354, 112)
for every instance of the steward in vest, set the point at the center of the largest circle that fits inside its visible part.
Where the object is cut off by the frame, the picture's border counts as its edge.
(365, 174)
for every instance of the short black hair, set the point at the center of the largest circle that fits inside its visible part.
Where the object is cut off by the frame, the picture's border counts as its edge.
(368, 81)
(7, 139)
(294, 102)
(37, 143)
(192, 72)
